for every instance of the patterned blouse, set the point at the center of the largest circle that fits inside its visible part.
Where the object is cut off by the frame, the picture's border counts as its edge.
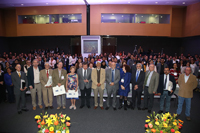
(72, 81)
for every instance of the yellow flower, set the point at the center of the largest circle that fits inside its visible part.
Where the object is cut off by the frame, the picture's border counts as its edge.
(177, 132)
(63, 120)
(49, 122)
(175, 123)
(147, 120)
(157, 123)
(45, 116)
(67, 131)
(58, 132)
(180, 120)
(37, 117)
(165, 125)
(68, 118)
(148, 117)
(51, 129)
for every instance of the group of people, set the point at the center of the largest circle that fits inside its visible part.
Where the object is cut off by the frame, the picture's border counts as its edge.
(151, 74)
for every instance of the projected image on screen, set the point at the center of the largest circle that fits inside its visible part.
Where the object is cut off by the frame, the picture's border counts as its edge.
(90, 46)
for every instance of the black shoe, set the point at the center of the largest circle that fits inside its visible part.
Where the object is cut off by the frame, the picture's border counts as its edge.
(114, 108)
(25, 110)
(46, 108)
(125, 104)
(160, 111)
(88, 106)
(51, 107)
(106, 108)
(120, 103)
(132, 108)
(81, 106)
(19, 112)
(149, 111)
(144, 108)
(139, 108)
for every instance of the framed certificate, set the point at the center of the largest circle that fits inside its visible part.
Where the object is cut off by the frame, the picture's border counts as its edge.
(72, 94)
(59, 90)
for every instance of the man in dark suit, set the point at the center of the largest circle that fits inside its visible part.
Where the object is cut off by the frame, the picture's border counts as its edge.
(161, 66)
(164, 82)
(34, 83)
(137, 80)
(41, 62)
(19, 91)
(85, 83)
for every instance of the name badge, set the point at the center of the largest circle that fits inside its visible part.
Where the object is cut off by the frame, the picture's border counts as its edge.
(62, 77)
(175, 74)
(50, 77)
(122, 80)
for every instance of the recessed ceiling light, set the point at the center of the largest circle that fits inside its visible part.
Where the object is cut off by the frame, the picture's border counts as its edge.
(47, 15)
(39, 15)
(25, 17)
(22, 4)
(102, 16)
(63, 16)
(183, 2)
(129, 2)
(112, 14)
(135, 14)
(142, 16)
(107, 35)
(122, 16)
(47, 3)
(156, 2)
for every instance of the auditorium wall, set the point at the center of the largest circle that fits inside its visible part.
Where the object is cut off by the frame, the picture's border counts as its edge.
(192, 20)
(1, 24)
(191, 45)
(138, 29)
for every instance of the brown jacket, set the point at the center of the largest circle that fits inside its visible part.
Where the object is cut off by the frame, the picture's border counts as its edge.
(186, 89)
(94, 78)
(43, 77)
(56, 79)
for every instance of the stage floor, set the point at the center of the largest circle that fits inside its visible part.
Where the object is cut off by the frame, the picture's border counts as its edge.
(93, 121)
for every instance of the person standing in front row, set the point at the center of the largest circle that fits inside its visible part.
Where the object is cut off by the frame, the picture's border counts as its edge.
(34, 83)
(19, 92)
(137, 80)
(163, 89)
(98, 79)
(150, 87)
(112, 84)
(59, 78)
(47, 91)
(72, 84)
(124, 86)
(85, 82)
(187, 83)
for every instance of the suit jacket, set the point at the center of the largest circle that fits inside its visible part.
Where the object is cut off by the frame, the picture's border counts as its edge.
(153, 85)
(159, 67)
(81, 78)
(186, 89)
(43, 77)
(109, 78)
(161, 84)
(140, 80)
(16, 80)
(41, 65)
(94, 78)
(56, 79)
(30, 75)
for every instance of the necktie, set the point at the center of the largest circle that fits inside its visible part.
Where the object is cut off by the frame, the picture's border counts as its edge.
(47, 73)
(112, 75)
(137, 75)
(164, 87)
(19, 74)
(145, 81)
(84, 74)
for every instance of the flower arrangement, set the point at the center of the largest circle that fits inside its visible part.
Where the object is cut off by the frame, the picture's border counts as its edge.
(163, 123)
(53, 123)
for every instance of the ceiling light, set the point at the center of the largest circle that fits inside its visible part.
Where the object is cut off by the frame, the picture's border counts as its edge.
(25, 17)
(156, 2)
(46, 3)
(22, 4)
(160, 16)
(129, 2)
(135, 14)
(142, 16)
(183, 2)
(39, 15)
(122, 16)
(112, 14)
(102, 16)
(107, 35)
(63, 16)
(68, 15)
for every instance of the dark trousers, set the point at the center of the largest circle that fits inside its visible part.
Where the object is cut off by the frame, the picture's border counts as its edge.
(10, 93)
(151, 97)
(2, 93)
(23, 100)
(136, 93)
(85, 96)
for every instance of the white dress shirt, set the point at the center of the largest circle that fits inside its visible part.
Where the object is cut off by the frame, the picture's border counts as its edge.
(167, 80)
(149, 78)
(84, 71)
(186, 78)
(36, 75)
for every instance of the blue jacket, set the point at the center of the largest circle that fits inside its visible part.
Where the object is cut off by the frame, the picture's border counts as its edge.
(7, 79)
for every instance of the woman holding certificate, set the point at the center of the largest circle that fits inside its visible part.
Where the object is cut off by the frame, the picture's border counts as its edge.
(72, 86)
